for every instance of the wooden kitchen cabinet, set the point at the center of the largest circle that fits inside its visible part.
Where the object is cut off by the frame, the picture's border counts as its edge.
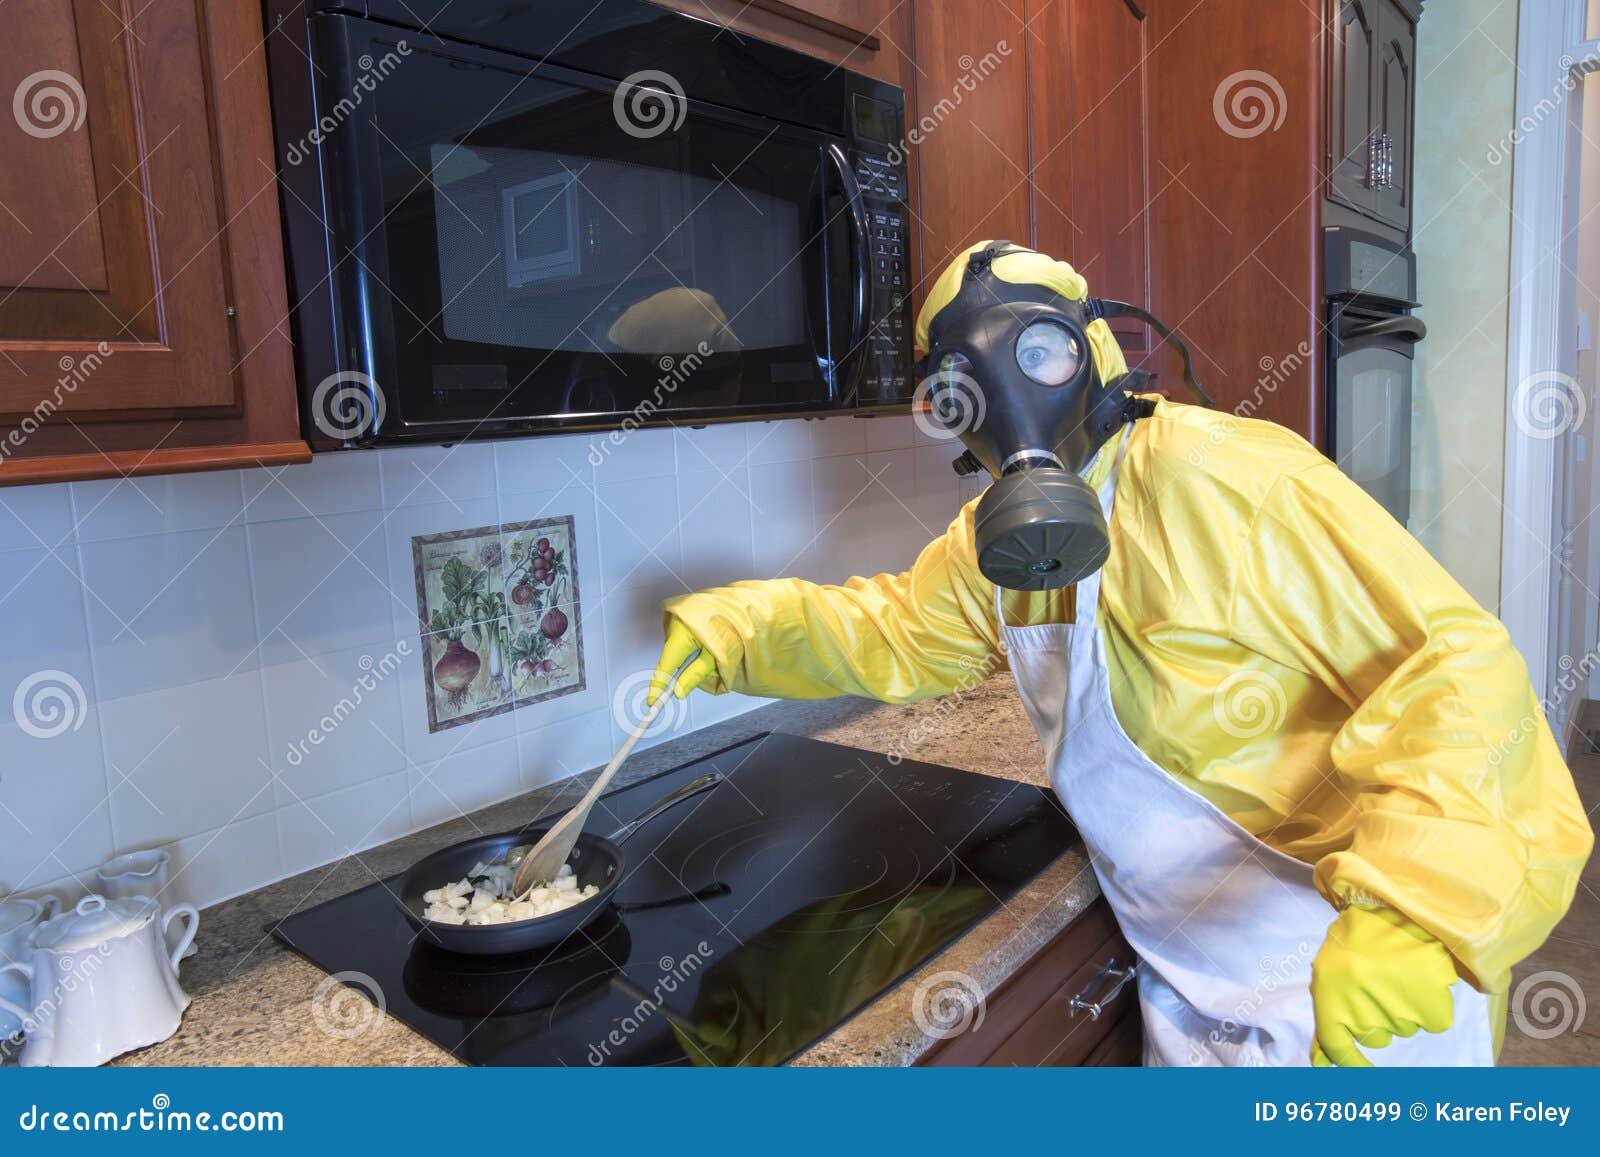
(1039, 1016)
(1100, 56)
(972, 117)
(142, 304)
(1235, 209)
(869, 36)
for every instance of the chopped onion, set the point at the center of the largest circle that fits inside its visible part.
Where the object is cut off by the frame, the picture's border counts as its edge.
(484, 897)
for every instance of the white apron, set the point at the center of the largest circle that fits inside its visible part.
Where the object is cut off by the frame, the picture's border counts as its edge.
(1225, 926)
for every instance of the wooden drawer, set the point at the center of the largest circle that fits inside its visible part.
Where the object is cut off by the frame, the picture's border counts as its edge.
(1029, 1020)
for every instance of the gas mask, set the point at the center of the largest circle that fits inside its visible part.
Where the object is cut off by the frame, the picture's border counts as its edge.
(1010, 369)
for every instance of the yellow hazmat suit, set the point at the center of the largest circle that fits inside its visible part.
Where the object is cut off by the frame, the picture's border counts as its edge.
(1277, 643)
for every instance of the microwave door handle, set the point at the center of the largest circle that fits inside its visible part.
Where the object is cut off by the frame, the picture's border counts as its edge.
(1406, 328)
(861, 256)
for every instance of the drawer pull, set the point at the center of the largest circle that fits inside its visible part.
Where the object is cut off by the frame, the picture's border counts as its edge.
(1095, 997)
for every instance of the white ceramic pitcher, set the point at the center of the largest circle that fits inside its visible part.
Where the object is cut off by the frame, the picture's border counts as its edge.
(102, 981)
(18, 918)
(137, 874)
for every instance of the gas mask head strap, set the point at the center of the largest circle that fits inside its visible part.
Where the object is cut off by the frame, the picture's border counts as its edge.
(1105, 307)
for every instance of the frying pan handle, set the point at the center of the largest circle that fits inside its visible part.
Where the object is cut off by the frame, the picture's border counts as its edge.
(693, 787)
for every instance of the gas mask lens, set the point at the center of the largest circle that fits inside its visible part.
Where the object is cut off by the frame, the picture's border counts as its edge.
(1049, 353)
(954, 396)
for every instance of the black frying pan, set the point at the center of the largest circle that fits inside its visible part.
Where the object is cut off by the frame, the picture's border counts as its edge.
(597, 860)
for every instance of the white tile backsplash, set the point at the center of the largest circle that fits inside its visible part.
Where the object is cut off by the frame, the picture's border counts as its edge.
(334, 721)
(123, 507)
(465, 781)
(166, 610)
(186, 759)
(215, 622)
(714, 526)
(333, 484)
(420, 474)
(35, 516)
(321, 584)
(330, 827)
(54, 818)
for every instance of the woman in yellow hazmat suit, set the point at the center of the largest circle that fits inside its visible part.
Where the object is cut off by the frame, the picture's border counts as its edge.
(1314, 743)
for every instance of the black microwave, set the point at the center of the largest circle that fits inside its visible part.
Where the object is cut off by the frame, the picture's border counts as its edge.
(506, 218)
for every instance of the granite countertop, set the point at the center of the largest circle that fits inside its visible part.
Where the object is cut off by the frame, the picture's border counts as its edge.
(253, 998)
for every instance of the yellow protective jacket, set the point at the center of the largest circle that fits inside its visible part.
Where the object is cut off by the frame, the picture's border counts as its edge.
(1278, 643)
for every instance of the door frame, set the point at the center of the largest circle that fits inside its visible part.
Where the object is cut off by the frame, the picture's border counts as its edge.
(1550, 50)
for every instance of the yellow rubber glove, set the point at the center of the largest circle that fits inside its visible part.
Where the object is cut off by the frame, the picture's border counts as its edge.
(1377, 976)
(679, 646)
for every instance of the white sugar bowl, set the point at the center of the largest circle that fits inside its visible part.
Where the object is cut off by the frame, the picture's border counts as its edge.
(102, 981)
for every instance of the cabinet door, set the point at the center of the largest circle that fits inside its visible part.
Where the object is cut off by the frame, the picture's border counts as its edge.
(970, 128)
(1353, 110)
(113, 286)
(1110, 174)
(1395, 89)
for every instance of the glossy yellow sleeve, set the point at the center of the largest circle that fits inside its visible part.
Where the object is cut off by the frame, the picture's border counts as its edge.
(898, 638)
(1466, 818)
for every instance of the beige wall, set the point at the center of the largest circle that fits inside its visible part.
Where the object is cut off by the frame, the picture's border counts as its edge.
(1465, 109)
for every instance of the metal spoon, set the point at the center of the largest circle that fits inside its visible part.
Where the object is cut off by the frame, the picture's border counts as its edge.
(542, 863)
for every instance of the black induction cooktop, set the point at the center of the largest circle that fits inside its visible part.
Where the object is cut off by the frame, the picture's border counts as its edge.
(753, 920)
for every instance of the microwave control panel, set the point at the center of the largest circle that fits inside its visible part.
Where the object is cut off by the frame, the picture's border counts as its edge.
(888, 379)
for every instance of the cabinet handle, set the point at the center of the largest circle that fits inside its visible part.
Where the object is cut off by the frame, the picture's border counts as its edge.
(1388, 161)
(1095, 996)
(1372, 161)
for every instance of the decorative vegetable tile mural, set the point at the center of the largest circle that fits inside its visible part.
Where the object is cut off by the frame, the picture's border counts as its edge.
(499, 615)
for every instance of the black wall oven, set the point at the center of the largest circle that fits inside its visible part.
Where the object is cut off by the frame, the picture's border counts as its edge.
(509, 218)
(1372, 338)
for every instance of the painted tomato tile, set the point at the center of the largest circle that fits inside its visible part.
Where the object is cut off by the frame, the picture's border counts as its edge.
(499, 617)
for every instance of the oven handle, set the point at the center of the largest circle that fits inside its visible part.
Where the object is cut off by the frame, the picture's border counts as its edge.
(1406, 328)
(861, 254)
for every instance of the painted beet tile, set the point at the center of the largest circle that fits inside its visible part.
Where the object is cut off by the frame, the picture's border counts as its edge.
(500, 618)
(465, 675)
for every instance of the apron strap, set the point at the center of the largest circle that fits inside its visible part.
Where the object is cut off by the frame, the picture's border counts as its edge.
(1086, 602)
